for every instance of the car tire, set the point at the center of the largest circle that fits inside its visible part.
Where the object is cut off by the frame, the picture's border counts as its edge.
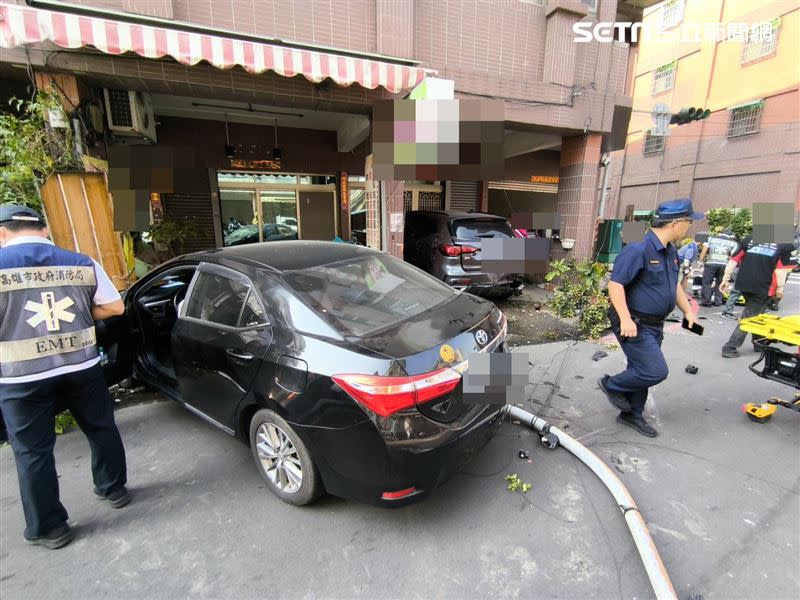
(268, 433)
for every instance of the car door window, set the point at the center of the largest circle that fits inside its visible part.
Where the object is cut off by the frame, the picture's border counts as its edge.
(219, 299)
(252, 311)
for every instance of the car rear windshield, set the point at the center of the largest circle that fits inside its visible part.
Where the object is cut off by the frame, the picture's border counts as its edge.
(364, 295)
(473, 229)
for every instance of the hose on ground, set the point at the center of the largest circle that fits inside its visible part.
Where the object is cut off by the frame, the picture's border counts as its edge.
(656, 572)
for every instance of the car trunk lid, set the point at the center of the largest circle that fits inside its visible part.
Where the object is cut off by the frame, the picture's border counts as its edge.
(436, 347)
(469, 232)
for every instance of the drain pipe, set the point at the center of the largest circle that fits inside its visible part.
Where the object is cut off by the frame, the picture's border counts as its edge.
(551, 437)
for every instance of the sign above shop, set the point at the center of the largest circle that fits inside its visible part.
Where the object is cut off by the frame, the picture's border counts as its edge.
(264, 164)
(544, 179)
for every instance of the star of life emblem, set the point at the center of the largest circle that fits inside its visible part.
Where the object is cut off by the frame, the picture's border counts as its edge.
(50, 311)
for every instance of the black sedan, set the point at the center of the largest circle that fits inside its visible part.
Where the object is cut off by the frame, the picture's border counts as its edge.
(340, 366)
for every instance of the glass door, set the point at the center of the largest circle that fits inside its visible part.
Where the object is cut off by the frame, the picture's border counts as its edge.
(279, 214)
(239, 218)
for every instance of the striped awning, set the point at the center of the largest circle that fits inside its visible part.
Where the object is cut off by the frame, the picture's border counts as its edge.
(22, 25)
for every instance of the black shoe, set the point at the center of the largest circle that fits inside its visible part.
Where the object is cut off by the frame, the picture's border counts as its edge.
(616, 399)
(704, 303)
(638, 423)
(729, 353)
(730, 315)
(57, 537)
(117, 498)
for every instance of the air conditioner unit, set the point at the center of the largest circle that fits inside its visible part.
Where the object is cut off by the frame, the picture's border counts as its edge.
(130, 114)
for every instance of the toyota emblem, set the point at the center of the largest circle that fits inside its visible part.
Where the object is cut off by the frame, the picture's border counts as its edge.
(481, 337)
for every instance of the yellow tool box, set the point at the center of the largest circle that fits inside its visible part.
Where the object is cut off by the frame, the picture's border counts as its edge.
(778, 364)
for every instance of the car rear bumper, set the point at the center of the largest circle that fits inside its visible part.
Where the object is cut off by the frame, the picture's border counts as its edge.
(356, 463)
(486, 283)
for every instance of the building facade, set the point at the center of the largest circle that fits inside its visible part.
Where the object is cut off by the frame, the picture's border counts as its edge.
(748, 149)
(262, 111)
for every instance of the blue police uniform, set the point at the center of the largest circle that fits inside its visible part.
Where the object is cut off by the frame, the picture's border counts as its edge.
(649, 271)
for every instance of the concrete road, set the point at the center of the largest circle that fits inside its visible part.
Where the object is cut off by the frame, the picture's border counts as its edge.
(721, 496)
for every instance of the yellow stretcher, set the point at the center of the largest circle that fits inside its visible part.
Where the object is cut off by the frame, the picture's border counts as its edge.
(778, 365)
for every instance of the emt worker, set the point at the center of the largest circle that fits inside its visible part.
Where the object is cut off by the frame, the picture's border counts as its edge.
(643, 290)
(720, 248)
(757, 266)
(49, 300)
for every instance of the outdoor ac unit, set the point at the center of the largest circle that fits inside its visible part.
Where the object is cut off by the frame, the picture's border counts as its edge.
(130, 114)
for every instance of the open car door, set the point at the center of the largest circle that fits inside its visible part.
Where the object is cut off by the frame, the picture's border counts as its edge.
(116, 343)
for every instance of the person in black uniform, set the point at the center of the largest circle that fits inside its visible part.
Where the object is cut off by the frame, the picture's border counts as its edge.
(758, 263)
(643, 290)
(49, 300)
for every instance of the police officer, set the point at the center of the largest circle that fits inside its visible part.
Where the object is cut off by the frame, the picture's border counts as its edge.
(715, 255)
(49, 299)
(643, 290)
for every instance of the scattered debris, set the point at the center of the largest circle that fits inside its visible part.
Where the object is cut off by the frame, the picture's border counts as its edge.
(600, 354)
(537, 306)
(523, 454)
(610, 345)
(578, 376)
(515, 484)
(691, 369)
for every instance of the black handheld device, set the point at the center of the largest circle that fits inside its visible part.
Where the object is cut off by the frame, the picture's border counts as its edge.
(695, 328)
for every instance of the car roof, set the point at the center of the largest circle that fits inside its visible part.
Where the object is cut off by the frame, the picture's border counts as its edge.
(452, 214)
(288, 255)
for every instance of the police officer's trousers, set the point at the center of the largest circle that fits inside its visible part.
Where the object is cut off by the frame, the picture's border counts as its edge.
(29, 410)
(646, 364)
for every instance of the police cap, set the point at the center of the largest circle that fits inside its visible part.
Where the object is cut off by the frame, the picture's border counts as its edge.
(677, 209)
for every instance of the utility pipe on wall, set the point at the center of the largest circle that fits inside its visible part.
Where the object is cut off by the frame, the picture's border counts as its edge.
(551, 436)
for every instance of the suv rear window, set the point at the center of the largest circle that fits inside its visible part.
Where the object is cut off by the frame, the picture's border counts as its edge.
(364, 295)
(473, 229)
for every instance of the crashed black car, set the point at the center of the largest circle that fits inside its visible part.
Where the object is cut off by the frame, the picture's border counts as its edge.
(340, 366)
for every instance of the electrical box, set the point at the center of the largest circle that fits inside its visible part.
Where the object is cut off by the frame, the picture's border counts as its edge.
(609, 240)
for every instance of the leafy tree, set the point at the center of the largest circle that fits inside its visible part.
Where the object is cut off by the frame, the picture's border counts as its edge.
(31, 150)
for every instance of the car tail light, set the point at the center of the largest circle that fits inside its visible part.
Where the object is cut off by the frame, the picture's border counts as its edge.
(388, 395)
(451, 250)
(399, 494)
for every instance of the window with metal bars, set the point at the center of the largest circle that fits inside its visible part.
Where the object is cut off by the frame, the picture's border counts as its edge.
(653, 144)
(671, 14)
(762, 39)
(745, 120)
(663, 78)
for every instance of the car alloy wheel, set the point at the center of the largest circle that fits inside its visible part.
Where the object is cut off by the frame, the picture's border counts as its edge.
(283, 459)
(279, 457)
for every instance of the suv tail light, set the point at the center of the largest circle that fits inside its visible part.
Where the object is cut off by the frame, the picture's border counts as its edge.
(388, 395)
(451, 250)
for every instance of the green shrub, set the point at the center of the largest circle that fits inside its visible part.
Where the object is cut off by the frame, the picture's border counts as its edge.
(31, 150)
(580, 293)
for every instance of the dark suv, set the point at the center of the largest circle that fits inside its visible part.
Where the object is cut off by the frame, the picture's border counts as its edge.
(448, 245)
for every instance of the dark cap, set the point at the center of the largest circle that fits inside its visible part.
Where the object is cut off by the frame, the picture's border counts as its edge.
(677, 209)
(19, 213)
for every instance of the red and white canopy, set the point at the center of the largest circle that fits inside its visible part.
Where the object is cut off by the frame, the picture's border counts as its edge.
(22, 25)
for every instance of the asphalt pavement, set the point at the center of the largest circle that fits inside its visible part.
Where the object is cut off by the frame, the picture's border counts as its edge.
(720, 494)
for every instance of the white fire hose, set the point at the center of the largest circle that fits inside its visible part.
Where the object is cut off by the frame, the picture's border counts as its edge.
(551, 436)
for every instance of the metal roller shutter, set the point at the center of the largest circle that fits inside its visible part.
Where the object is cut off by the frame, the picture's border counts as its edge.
(463, 195)
(196, 205)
